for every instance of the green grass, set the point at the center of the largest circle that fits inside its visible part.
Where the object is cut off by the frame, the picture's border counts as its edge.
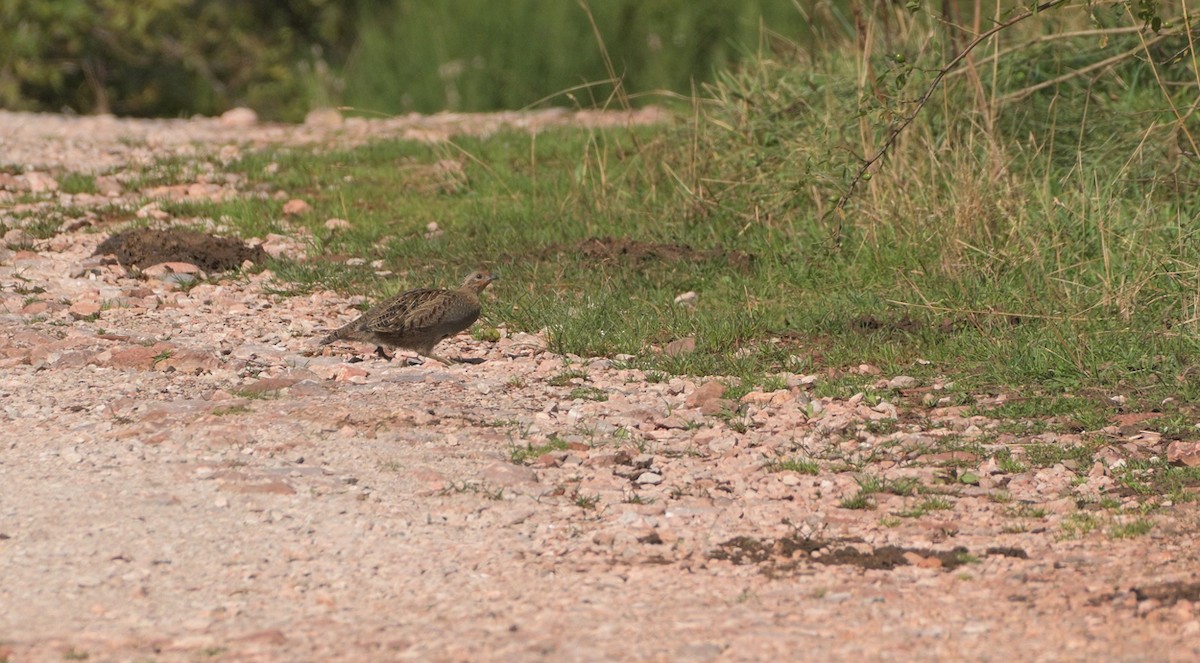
(77, 183)
(566, 378)
(1131, 529)
(858, 501)
(1046, 253)
(529, 452)
(797, 465)
(588, 394)
(231, 409)
(1046, 455)
(927, 505)
(1180, 484)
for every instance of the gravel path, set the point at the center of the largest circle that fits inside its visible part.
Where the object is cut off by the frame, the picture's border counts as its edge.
(185, 476)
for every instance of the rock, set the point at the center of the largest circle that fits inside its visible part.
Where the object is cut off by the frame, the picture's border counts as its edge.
(276, 487)
(84, 310)
(138, 357)
(705, 393)
(282, 246)
(797, 381)
(35, 182)
(687, 299)
(296, 207)
(677, 421)
(649, 479)
(337, 224)
(189, 362)
(163, 270)
(273, 637)
(1182, 452)
(766, 398)
(507, 475)
(108, 186)
(679, 347)
(551, 459)
(621, 457)
(239, 117)
(17, 238)
(266, 385)
(351, 373)
(717, 406)
(324, 118)
(920, 561)
(902, 382)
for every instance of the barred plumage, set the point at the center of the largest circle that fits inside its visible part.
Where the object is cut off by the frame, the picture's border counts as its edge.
(418, 319)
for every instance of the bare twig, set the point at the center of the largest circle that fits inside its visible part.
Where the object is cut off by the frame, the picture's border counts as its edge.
(1083, 71)
(924, 99)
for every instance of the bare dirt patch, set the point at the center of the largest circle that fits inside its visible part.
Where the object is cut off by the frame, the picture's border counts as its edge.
(186, 476)
(143, 247)
(638, 254)
(1169, 593)
(789, 554)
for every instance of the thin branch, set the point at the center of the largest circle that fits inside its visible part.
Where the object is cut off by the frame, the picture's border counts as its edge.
(1041, 39)
(924, 99)
(1107, 62)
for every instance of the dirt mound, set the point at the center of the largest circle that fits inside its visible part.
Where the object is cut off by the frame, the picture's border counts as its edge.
(786, 553)
(638, 253)
(143, 247)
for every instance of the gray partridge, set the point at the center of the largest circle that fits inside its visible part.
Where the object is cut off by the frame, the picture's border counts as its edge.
(418, 319)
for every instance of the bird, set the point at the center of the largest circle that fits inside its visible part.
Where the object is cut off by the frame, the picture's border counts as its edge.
(418, 319)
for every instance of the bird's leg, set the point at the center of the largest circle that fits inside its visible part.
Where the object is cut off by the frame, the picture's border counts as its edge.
(443, 361)
(379, 351)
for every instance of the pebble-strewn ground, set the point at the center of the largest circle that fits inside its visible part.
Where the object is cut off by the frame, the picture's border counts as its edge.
(183, 476)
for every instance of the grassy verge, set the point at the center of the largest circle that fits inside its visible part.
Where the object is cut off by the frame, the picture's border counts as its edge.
(1044, 246)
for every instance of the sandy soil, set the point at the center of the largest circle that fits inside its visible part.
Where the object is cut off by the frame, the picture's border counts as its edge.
(184, 477)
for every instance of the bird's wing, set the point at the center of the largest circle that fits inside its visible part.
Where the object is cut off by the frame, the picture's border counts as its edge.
(409, 312)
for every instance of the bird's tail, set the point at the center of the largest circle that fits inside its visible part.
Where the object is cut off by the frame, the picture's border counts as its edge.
(335, 335)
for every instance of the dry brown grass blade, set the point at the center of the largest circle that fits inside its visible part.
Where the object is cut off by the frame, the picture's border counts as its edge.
(866, 166)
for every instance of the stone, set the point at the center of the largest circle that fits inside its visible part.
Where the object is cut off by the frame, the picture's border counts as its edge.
(137, 357)
(621, 457)
(337, 224)
(266, 385)
(275, 487)
(84, 310)
(507, 475)
(296, 207)
(109, 186)
(716, 406)
(679, 347)
(351, 373)
(239, 117)
(687, 299)
(649, 479)
(188, 362)
(324, 118)
(36, 182)
(1181, 452)
(902, 382)
(163, 270)
(706, 392)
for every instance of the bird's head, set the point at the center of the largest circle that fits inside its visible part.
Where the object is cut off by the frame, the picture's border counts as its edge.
(478, 280)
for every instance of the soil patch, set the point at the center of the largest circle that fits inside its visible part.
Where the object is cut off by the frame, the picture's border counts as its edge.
(787, 553)
(1169, 593)
(630, 252)
(143, 247)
